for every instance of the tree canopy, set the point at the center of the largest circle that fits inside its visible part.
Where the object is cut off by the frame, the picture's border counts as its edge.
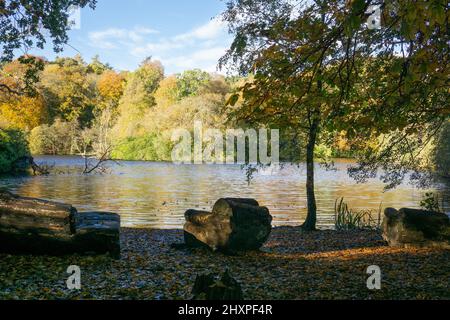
(24, 24)
(317, 66)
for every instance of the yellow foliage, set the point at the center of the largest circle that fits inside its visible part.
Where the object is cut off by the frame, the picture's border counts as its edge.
(166, 95)
(111, 85)
(23, 112)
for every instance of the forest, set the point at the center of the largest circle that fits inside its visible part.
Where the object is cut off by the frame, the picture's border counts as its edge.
(82, 108)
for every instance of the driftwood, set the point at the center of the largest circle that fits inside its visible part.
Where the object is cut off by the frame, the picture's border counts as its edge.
(233, 225)
(37, 226)
(416, 228)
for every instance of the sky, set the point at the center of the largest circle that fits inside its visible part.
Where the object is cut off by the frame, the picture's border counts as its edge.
(182, 34)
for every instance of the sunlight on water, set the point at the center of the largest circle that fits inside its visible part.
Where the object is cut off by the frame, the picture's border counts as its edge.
(156, 195)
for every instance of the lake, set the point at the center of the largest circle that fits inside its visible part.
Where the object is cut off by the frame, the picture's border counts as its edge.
(156, 195)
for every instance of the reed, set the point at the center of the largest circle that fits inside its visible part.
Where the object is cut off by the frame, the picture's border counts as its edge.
(349, 219)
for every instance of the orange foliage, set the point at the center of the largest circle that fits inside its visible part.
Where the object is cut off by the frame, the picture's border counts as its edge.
(23, 112)
(111, 85)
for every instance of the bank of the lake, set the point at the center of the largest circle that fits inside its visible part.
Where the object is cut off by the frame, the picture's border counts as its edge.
(291, 265)
(156, 194)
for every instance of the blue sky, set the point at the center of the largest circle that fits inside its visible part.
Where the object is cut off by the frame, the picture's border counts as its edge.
(182, 34)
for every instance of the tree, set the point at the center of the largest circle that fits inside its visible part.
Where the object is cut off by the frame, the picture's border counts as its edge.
(24, 24)
(191, 82)
(441, 154)
(317, 66)
(138, 97)
(68, 90)
(13, 148)
(60, 138)
(111, 86)
(167, 93)
(98, 67)
(21, 112)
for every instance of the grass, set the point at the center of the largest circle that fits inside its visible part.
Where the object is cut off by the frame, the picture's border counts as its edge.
(349, 219)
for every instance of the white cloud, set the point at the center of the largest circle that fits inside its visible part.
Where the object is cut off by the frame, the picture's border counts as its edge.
(205, 59)
(210, 30)
(200, 47)
(114, 37)
(155, 47)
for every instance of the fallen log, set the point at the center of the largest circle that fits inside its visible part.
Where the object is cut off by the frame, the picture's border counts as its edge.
(35, 226)
(29, 215)
(416, 228)
(233, 225)
(97, 232)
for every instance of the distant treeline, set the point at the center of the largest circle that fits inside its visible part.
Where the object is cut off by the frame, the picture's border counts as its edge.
(89, 108)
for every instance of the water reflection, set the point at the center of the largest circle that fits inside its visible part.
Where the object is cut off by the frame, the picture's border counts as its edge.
(156, 195)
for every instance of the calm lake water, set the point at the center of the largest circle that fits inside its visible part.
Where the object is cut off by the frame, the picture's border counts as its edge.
(156, 195)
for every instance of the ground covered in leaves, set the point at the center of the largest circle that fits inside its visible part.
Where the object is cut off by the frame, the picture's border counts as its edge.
(292, 265)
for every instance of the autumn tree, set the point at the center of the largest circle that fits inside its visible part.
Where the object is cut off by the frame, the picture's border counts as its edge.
(317, 66)
(25, 23)
(23, 112)
(138, 97)
(20, 111)
(110, 86)
(167, 93)
(68, 90)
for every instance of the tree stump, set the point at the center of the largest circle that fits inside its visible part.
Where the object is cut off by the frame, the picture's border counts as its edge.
(233, 225)
(209, 287)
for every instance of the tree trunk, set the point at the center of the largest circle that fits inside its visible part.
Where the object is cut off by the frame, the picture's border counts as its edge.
(233, 225)
(21, 215)
(29, 225)
(310, 222)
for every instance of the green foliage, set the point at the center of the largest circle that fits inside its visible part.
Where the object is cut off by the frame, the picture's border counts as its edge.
(56, 139)
(13, 147)
(151, 147)
(441, 156)
(348, 219)
(323, 152)
(191, 82)
(430, 202)
(24, 24)
(98, 67)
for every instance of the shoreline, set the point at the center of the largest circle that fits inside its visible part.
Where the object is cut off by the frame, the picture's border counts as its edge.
(293, 264)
